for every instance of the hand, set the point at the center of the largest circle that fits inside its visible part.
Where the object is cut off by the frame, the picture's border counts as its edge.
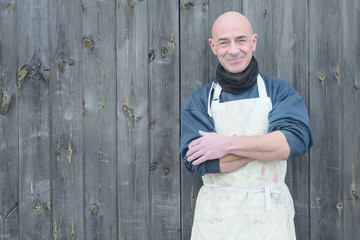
(231, 162)
(209, 146)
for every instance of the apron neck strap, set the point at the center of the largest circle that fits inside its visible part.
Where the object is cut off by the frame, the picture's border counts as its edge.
(218, 89)
(261, 87)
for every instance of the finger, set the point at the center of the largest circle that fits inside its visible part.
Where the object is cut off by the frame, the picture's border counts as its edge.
(202, 133)
(193, 143)
(199, 160)
(191, 151)
(194, 156)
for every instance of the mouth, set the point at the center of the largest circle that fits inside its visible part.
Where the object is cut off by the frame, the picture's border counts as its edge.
(234, 60)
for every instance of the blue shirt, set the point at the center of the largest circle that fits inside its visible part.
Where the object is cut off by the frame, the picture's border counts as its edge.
(288, 115)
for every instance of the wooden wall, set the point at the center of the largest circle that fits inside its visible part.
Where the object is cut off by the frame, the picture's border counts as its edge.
(90, 101)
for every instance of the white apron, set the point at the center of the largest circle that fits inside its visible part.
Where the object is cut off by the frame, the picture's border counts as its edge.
(252, 202)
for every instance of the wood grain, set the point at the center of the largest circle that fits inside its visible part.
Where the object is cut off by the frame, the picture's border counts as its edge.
(133, 119)
(66, 155)
(9, 175)
(326, 158)
(164, 119)
(34, 119)
(99, 121)
(90, 101)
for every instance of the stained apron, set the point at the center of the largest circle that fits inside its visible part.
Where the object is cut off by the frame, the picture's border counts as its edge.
(252, 202)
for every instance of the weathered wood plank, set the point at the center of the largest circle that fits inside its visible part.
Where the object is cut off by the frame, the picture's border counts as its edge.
(350, 84)
(290, 24)
(194, 62)
(325, 111)
(34, 133)
(9, 198)
(99, 83)
(132, 115)
(164, 119)
(66, 111)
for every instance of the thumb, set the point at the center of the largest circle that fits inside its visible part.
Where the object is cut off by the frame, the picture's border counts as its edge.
(202, 133)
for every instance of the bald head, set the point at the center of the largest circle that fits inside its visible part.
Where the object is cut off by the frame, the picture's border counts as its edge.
(229, 19)
(233, 41)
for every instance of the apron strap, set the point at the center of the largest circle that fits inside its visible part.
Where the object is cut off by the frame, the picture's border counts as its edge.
(261, 87)
(216, 96)
(218, 89)
(209, 99)
(267, 189)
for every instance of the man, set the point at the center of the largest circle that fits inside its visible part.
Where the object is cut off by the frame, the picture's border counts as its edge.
(237, 133)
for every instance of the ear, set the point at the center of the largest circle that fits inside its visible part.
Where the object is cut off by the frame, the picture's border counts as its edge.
(212, 45)
(254, 41)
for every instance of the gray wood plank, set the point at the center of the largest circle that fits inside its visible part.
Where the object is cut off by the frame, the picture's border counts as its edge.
(164, 119)
(350, 85)
(132, 55)
(66, 111)
(291, 54)
(326, 156)
(9, 198)
(99, 89)
(34, 133)
(194, 62)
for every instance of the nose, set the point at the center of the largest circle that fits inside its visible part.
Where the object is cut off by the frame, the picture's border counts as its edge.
(233, 49)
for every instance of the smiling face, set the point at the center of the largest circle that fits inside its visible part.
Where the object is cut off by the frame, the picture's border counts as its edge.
(233, 41)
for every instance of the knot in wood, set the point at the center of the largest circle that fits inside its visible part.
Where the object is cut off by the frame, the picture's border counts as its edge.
(354, 194)
(153, 166)
(38, 207)
(322, 77)
(69, 153)
(5, 100)
(21, 76)
(94, 208)
(339, 207)
(127, 111)
(187, 6)
(132, 3)
(87, 43)
(164, 52)
(151, 55)
(10, 6)
(48, 205)
(71, 62)
(204, 8)
(166, 170)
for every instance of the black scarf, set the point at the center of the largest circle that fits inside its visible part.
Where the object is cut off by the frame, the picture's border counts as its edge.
(237, 84)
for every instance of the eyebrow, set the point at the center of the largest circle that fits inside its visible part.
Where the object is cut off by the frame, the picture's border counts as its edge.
(238, 37)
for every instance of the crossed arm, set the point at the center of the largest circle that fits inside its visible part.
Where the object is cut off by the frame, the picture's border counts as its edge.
(235, 151)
